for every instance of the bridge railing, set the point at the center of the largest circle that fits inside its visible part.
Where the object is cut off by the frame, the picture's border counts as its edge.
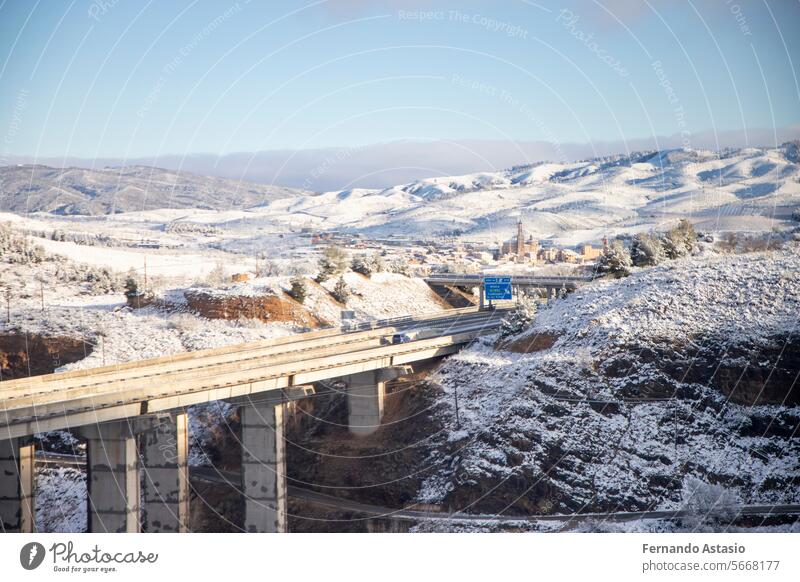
(479, 278)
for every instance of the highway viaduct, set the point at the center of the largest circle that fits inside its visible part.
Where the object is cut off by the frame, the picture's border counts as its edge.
(553, 286)
(133, 416)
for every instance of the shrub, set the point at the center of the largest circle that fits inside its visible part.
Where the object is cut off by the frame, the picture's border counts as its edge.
(131, 287)
(796, 214)
(706, 502)
(520, 318)
(216, 276)
(17, 248)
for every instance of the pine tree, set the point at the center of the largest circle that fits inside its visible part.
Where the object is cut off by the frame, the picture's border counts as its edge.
(361, 265)
(646, 250)
(679, 241)
(615, 260)
(131, 287)
(299, 290)
(341, 291)
(332, 262)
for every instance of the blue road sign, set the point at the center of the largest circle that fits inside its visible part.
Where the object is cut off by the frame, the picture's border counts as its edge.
(497, 288)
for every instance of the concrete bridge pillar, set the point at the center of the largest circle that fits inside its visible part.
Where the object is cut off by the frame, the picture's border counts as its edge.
(365, 395)
(164, 452)
(112, 477)
(17, 480)
(366, 392)
(264, 467)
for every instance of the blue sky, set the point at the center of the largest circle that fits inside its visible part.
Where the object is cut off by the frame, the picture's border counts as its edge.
(133, 79)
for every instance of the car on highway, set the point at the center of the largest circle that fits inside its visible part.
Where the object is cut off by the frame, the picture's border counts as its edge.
(411, 335)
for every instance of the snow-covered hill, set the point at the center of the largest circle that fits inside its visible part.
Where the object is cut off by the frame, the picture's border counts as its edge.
(78, 191)
(625, 392)
(748, 189)
(569, 203)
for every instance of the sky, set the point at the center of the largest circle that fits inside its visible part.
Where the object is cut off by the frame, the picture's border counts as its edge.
(144, 80)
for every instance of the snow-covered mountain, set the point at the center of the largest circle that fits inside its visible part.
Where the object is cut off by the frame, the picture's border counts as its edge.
(745, 189)
(742, 189)
(78, 191)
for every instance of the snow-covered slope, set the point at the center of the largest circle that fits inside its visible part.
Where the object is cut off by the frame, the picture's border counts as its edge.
(747, 189)
(570, 202)
(628, 390)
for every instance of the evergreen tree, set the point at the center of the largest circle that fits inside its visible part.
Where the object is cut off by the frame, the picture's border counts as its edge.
(615, 260)
(679, 241)
(299, 290)
(368, 264)
(646, 250)
(332, 262)
(361, 265)
(341, 291)
(131, 287)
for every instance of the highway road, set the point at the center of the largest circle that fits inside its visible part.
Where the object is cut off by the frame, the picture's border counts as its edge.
(64, 400)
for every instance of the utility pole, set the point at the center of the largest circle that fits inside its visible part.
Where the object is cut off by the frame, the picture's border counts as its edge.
(145, 274)
(8, 304)
(458, 419)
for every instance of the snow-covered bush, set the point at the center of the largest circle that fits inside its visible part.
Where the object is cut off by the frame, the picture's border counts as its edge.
(332, 262)
(679, 241)
(460, 266)
(298, 290)
(646, 250)
(368, 264)
(98, 280)
(184, 322)
(176, 227)
(17, 248)
(216, 276)
(399, 266)
(707, 502)
(615, 260)
(266, 267)
(520, 318)
(341, 291)
(796, 214)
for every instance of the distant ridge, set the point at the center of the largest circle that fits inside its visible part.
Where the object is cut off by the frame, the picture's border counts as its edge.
(79, 191)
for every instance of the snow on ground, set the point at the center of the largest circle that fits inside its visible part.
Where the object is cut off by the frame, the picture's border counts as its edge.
(168, 264)
(61, 500)
(555, 430)
(388, 295)
(750, 296)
